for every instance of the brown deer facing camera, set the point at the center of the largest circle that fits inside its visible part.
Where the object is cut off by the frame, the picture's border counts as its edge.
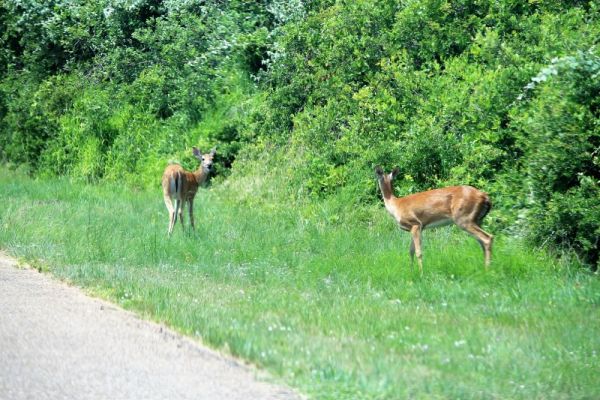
(464, 206)
(180, 187)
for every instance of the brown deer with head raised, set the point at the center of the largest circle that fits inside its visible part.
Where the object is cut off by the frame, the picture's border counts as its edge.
(180, 187)
(464, 206)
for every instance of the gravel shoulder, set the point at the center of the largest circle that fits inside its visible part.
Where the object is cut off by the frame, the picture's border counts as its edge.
(56, 342)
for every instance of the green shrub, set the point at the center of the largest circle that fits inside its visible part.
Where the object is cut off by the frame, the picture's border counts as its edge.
(83, 136)
(559, 132)
(29, 115)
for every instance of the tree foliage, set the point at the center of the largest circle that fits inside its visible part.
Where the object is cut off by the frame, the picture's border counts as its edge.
(500, 95)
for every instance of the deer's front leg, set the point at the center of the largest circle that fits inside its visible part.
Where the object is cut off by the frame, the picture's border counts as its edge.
(415, 231)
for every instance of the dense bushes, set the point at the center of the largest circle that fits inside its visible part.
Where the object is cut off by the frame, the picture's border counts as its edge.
(450, 91)
(112, 89)
(559, 134)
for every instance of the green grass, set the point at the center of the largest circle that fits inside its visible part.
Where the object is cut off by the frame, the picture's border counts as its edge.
(333, 309)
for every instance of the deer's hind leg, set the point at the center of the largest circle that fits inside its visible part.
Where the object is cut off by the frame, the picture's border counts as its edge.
(484, 239)
(172, 213)
(470, 223)
(179, 206)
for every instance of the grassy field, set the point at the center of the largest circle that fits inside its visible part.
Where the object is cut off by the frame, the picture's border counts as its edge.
(329, 307)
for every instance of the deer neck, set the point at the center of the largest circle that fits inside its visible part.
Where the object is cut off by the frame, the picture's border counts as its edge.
(200, 174)
(386, 190)
(391, 202)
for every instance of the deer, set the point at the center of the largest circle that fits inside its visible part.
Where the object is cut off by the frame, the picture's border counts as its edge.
(463, 206)
(180, 187)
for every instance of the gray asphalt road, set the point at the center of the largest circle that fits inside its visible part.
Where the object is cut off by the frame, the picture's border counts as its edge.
(57, 343)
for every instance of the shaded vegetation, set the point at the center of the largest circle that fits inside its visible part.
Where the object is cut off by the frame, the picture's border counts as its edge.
(500, 95)
(295, 266)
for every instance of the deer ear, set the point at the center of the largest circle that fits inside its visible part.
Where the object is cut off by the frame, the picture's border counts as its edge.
(395, 172)
(213, 151)
(197, 153)
(378, 170)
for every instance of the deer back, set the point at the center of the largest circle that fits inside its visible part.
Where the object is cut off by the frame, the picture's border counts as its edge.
(179, 183)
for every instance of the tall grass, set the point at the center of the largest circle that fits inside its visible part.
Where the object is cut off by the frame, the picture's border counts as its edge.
(331, 308)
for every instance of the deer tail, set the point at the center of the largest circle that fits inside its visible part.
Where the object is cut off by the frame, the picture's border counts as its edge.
(485, 209)
(177, 186)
